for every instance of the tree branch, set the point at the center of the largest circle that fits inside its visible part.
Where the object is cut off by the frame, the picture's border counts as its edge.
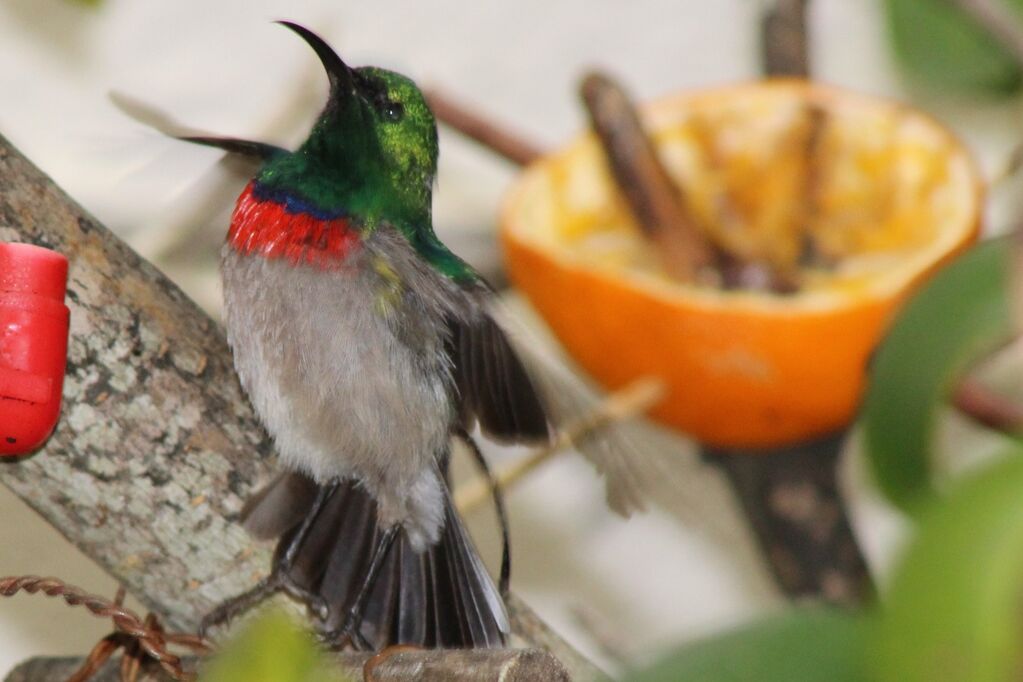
(791, 498)
(157, 448)
(496, 138)
(424, 665)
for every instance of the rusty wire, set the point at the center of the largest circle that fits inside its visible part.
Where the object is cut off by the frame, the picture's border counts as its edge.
(139, 637)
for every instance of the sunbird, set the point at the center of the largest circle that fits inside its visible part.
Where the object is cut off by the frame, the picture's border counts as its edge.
(366, 348)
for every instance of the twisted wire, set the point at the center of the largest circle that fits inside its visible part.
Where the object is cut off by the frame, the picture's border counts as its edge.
(152, 640)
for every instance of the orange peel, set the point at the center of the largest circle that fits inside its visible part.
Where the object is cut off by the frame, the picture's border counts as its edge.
(883, 197)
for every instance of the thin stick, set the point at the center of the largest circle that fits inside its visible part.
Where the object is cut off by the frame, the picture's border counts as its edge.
(784, 46)
(987, 407)
(471, 124)
(631, 401)
(655, 200)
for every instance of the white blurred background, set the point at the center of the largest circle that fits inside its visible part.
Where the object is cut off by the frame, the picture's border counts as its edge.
(683, 570)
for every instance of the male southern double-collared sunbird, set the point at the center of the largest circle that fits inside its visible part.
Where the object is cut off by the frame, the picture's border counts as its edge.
(366, 347)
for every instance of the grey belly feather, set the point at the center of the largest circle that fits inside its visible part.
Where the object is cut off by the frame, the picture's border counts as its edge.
(347, 370)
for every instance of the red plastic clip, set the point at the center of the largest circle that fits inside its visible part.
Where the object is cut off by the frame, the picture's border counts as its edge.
(33, 344)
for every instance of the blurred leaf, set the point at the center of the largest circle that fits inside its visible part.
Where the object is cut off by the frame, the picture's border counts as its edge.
(812, 645)
(88, 3)
(959, 316)
(953, 612)
(942, 45)
(271, 649)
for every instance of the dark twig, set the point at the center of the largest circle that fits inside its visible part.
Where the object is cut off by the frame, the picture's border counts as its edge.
(471, 124)
(986, 407)
(655, 200)
(783, 39)
(145, 634)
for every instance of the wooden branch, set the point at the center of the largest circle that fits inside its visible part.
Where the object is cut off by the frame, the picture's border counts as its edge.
(654, 198)
(471, 124)
(157, 448)
(467, 665)
(791, 499)
(783, 39)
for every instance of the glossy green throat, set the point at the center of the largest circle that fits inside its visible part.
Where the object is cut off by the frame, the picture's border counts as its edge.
(371, 156)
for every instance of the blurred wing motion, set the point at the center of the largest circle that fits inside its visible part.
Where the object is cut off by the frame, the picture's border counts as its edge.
(630, 475)
(210, 195)
(162, 122)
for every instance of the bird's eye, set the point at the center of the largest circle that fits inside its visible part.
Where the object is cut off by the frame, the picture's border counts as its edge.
(392, 111)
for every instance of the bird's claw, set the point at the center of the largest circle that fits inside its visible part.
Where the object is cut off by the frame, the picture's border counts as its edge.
(316, 604)
(225, 612)
(277, 581)
(348, 633)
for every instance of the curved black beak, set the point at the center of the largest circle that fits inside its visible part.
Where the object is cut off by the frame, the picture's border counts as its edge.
(339, 73)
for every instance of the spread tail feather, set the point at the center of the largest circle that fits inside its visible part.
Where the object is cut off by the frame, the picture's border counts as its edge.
(440, 597)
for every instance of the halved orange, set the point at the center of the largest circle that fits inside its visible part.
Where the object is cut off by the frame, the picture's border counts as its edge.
(882, 197)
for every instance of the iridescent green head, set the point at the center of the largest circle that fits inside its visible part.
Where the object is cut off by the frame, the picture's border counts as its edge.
(372, 156)
(372, 152)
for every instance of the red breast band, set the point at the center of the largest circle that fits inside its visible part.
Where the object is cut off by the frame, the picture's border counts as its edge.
(266, 228)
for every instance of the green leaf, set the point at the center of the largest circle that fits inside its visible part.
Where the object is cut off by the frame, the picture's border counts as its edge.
(953, 610)
(812, 645)
(271, 649)
(958, 317)
(943, 46)
(88, 3)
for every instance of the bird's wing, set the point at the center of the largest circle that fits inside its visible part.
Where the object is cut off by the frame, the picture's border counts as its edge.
(278, 506)
(152, 117)
(517, 395)
(493, 386)
(630, 473)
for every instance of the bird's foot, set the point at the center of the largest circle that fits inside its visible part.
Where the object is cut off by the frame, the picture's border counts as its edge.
(277, 581)
(316, 604)
(349, 634)
(237, 605)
